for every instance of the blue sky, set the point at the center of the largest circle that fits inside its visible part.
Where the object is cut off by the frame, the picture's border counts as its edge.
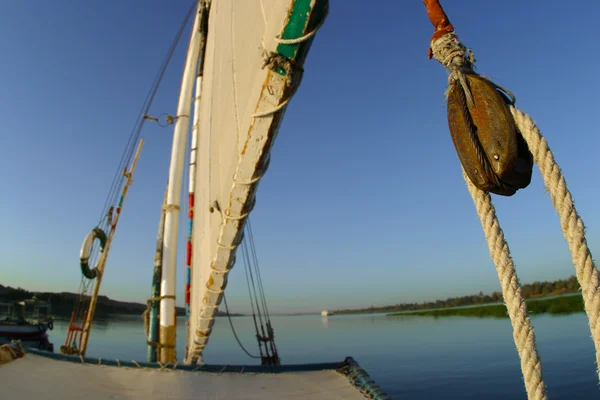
(364, 202)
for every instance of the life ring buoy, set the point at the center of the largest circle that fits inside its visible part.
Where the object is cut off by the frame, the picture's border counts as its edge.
(86, 248)
(51, 325)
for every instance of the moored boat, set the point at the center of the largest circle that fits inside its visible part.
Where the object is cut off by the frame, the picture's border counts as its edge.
(25, 320)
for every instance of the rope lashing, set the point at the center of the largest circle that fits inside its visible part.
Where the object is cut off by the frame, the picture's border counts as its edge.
(490, 148)
(287, 67)
(293, 76)
(447, 49)
(146, 317)
(361, 381)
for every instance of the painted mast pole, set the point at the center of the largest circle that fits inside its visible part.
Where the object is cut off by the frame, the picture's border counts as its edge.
(156, 278)
(172, 206)
(193, 154)
(87, 325)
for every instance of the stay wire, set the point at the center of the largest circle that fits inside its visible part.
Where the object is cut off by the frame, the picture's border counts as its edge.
(136, 131)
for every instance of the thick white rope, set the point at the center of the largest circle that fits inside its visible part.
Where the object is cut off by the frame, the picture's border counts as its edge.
(570, 222)
(523, 333)
(452, 54)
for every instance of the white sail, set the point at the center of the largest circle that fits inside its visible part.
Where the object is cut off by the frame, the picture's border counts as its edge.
(239, 119)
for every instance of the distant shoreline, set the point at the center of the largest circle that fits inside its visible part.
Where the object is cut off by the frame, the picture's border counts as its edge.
(62, 303)
(530, 291)
(566, 304)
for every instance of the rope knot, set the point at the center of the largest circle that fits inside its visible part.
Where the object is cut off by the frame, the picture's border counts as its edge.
(282, 65)
(457, 59)
(452, 54)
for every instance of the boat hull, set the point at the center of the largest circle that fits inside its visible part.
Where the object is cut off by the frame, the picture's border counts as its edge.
(17, 331)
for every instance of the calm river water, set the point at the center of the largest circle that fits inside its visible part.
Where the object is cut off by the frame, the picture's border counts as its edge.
(410, 357)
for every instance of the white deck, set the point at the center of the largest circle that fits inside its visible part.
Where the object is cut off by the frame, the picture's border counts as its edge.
(35, 377)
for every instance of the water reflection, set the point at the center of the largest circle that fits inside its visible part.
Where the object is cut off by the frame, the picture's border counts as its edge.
(325, 321)
(467, 357)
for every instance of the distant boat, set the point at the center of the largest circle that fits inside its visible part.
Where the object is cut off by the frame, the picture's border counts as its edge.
(27, 319)
(326, 313)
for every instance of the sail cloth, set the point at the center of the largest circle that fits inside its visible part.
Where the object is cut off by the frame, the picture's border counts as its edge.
(53, 379)
(238, 122)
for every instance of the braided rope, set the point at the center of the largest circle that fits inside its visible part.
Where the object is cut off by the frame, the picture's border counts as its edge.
(523, 333)
(458, 60)
(570, 222)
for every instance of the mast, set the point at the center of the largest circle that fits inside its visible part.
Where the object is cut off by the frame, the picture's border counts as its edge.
(87, 325)
(172, 205)
(156, 277)
(193, 153)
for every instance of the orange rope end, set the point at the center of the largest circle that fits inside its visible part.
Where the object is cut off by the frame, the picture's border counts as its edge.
(439, 19)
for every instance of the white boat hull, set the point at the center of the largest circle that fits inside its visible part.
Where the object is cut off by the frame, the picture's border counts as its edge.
(16, 331)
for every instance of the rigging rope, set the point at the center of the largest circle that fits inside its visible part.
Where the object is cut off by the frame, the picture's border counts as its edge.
(570, 221)
(523, 333)
(234, 332)
(255, 257)
(136, 131)
(106, 216)
(451, 53)
(263, 327)
(447, 49)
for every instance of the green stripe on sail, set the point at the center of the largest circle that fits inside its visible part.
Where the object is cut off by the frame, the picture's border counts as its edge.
(302, 19)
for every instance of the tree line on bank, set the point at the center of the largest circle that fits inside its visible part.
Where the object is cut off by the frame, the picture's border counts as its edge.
(531, 290)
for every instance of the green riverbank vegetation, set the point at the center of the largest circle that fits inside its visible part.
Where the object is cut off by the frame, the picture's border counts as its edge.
(530, 291)
(555, 305)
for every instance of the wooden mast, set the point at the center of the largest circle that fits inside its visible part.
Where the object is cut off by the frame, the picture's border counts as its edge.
(87, 325)
(173, 203)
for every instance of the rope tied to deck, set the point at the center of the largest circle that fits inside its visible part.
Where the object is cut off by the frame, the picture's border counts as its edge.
(361, 381)
(10, 352)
